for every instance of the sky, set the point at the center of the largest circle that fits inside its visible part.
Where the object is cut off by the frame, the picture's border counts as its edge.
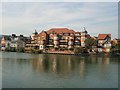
(25, 17)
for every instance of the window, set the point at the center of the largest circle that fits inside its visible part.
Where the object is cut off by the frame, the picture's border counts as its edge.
(63, 43)
(77, 43)
(100, 41)
(77, 34)
(70, 43)
(55, 42)
(62, 37)
(38, 38)
(82, 33)
(43, 38)
(66, 34)
(50, 41)
(51, 34)
(82, 43)
(82, 38)
(38, 42)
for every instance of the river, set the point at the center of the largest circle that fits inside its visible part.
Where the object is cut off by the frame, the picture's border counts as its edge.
(25, 70)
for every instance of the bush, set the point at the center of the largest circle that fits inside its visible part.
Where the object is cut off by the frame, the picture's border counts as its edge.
(78, 50)
(63, 48)
(7, 49)
(115, 51)
(32, 50)
(35, 51)
(85, 50)
(21, 50)
(12, 49)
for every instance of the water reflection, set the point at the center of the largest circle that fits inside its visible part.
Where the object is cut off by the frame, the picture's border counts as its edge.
(37, 70)
(62, 64)
(82, 68)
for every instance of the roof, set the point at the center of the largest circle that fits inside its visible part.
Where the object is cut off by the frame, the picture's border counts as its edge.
(14, 40)
(77, 32)
(103, 36)
(60, 30)
(7, 37)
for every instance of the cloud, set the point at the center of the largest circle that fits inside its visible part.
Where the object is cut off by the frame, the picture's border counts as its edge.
(26, 16)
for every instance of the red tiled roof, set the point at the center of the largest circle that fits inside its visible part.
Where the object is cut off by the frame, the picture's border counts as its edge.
(103, 36)
(77, 32)
(60, 30)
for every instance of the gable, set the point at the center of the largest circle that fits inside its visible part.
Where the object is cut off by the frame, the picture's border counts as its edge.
(103, 36)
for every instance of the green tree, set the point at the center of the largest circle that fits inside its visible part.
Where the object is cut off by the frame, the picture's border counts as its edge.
(78, 50)
(12, 49)
(117, 46)
(89, 42)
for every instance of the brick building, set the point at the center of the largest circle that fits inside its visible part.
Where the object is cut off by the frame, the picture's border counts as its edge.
(57, 38)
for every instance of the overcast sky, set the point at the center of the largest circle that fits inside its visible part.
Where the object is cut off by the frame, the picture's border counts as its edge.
(25, 17)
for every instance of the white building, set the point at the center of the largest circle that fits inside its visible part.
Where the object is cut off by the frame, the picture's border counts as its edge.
(104, 43)
(5, 42)
(17, 43)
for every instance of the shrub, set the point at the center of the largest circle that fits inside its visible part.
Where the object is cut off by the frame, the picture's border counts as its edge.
(78, 50)
(12, 49)
(21, 50)
(7, 49)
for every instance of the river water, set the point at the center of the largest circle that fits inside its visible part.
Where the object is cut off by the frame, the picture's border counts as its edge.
(24, 70)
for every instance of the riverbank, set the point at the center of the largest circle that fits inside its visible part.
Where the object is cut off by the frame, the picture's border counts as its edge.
(76, 51)
(69, 53)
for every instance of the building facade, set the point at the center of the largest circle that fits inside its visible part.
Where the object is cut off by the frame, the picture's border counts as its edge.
(17, 43)
(59, 38)
(13, 41)
(5, 42)
(104, 42)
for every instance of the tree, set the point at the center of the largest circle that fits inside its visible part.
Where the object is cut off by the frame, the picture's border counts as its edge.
(12, 49)
(117, 46)
(89, 42)
(78, 50)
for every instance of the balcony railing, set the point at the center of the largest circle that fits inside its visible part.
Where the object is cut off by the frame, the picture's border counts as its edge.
(63, 40)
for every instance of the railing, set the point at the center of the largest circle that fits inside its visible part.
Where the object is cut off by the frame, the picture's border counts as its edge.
(64, 40)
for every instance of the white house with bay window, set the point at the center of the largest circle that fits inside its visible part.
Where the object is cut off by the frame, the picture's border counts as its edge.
(104, 43)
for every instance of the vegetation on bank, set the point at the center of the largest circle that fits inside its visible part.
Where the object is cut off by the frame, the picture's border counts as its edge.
(13, 49)
(80, 50)
(115, 48)
(90, 42)
(33, 50)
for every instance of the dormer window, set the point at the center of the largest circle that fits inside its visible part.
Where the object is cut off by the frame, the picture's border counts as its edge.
(43, 38)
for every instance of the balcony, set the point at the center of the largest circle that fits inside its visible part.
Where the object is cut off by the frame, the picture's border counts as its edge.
(55, 42)
(63, 40)
(55, 38)
(70, 43)
(63, 45)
